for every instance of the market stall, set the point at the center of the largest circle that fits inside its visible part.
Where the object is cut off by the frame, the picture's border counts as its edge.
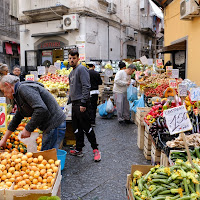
(168, 134)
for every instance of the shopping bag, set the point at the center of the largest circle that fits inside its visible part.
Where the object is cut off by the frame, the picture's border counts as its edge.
(102, 109)
(109, 106)
(138, 104)
(30, 141)
(131, 93)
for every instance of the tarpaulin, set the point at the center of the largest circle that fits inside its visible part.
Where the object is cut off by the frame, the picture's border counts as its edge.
(8, 48)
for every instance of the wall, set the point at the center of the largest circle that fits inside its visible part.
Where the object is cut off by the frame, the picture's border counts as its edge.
(176, 29)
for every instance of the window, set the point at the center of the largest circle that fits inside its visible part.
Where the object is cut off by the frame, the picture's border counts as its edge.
(131, 51)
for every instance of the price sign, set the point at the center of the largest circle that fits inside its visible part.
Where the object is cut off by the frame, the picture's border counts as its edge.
(159, 62)
(169, 67)
(153, 73)
(182, 90)
(144, 60)
(137, 74)
(29, 77)
(173, 83)
(41, 70)
(175, 73)
(2, 99)
(57, 65)
(169, 73)
(195, 94)
(177, 120)
(3, 116)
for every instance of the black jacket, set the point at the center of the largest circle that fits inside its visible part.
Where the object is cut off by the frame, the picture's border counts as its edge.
(95, 79)
(34, 101)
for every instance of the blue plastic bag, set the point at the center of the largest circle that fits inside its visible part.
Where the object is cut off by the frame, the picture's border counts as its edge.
(131, 93)
(138, 104)
(102, 109)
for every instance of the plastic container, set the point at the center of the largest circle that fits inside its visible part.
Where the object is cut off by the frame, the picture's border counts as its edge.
(61, 155)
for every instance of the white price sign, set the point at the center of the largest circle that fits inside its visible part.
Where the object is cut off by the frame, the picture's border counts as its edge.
(172, 83)
(175, 73)
(29, 77)
(195, 94)
(177, 120)
(182, 90)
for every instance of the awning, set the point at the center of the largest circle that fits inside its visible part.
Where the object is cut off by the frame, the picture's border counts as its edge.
(8, 47)
(156, 11)
(181, 46)
(18, 49)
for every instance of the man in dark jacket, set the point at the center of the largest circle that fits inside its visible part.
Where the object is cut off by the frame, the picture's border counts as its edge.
(95, 81)
(79, 81)
(34, 101)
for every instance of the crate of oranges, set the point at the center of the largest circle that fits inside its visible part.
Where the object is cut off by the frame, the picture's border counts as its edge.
(13, 143)
(24, 175)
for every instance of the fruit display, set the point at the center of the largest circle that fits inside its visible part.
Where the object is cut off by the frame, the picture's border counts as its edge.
(180, 181)
(58, 85)
(64, 71)
(26, 171)
(158, 91)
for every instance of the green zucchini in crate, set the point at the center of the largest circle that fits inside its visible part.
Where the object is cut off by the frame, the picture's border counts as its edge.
(183, 154)
(180, 182)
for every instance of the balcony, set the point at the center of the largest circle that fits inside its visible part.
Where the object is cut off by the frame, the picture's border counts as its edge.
(40, 10)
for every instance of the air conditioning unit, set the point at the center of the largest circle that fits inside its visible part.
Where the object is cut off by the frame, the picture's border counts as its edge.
(188, 9)
(130, 32)
(112, 8)
(70, 22)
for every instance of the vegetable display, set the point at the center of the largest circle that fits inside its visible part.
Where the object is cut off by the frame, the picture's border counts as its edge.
(180, 182)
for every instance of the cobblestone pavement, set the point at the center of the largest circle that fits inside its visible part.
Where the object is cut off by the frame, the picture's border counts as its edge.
(83, 179)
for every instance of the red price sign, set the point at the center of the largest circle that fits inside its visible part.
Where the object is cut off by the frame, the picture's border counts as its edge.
(3, 116)
(29, 77)
(172, 83)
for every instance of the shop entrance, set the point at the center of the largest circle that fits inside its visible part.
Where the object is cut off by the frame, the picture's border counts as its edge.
(58, 54)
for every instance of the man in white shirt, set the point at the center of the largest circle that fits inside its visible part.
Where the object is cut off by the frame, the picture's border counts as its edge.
(121, 82)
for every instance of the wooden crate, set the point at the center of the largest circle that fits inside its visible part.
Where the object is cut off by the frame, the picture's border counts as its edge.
(133, 116)
(155, 155)
(140, 137)
(141, 113)
(69, 134)
(164, 161)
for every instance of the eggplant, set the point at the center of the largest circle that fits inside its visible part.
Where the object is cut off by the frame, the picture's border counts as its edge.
(158, 122)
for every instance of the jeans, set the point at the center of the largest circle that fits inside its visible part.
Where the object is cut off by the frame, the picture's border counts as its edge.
(54, 137)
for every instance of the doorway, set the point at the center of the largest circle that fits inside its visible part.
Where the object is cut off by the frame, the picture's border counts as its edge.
(58, 54)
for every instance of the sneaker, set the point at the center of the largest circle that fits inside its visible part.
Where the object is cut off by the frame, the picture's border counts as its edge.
(97, 155)
(74, 152)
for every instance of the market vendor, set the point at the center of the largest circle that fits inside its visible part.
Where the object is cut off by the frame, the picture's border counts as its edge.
(34, 101)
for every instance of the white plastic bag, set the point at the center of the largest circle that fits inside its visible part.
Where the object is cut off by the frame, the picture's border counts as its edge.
(109, 106)
(68, 110)
(30, 141)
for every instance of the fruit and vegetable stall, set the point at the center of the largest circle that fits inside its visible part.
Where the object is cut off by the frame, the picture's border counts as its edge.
(171, 175)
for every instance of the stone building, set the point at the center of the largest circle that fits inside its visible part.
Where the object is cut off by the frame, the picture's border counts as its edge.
(9, 33)
(100, 29)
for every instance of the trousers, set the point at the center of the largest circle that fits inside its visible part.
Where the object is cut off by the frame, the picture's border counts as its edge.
(93, 107)
(122, 105)
(82, 126)
(54, 137)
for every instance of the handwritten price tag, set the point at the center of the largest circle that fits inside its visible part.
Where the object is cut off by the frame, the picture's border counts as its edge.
(3, 116)
(177, 120)
(175, 73)
(172, 83)
(182, 90)
(29, 77)
(195, 94)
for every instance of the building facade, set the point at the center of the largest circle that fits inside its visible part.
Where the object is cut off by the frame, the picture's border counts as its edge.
(100, 29)
(182, 30)
(9, 33)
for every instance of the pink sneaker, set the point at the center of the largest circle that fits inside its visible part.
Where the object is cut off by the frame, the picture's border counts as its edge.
(97, 155)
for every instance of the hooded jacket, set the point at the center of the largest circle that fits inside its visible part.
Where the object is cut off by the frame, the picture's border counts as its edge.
(34, 101)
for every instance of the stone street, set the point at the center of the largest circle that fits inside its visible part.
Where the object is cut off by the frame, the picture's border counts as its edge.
(83, 179)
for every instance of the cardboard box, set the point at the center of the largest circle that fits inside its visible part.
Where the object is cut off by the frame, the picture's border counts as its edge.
(143, 168)
(12, 194)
